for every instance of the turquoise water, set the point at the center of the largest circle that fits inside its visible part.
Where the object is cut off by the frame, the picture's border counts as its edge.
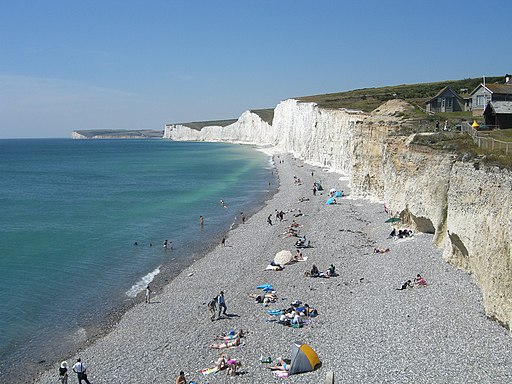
(72, 210)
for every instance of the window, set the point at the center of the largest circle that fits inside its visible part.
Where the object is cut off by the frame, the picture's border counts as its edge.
(480, 100)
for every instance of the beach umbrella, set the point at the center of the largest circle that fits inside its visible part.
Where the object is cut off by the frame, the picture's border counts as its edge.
(283, 257)
(304, 359)
(330, 201)
(393, 220)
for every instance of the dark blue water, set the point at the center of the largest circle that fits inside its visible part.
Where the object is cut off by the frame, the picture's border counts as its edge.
(71, 211)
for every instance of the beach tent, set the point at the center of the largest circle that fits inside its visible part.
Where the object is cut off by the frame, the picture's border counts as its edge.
(304, 359)
(330, 201)
(283, 257)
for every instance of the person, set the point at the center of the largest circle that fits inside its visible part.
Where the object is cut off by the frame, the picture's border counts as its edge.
(445, 125)
(437, 125)
(221, 362)
(314, 271)
(407, 284)
(223, 241)
(232, 365)
(166, 243)
(226, 344)
(148, 295)
(281, 365)
(63, 372)
(269, 219)
(243, 217)
(135, 243)
(221, 303)
(331, 271)
(314, 189)
(212, 307)
(181, 378)
(80, 369)
(201, 221)
(298, 255)
(392, 234)
(419, 281)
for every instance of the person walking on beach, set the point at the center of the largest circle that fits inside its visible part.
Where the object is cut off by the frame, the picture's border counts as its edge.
(80, 369)
(223, 241)
(181, 378)
(63, 372)
(243, 217)
(221, 304)
(148, 295)
(212, 307)
(269, 219)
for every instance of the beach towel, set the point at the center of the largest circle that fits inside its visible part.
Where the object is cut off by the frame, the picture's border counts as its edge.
(281, 374)
(208, 371)
(271, 267)
(265, 286)
(275, 312)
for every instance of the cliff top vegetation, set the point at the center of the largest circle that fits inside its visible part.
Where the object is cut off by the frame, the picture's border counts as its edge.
(463, 145)
(135, 133)
(368, 99)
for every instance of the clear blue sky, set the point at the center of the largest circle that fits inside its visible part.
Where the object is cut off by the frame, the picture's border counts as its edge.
(91, 64)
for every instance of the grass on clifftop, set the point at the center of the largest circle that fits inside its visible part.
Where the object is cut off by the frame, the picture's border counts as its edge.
(463, 145)
(367, 99)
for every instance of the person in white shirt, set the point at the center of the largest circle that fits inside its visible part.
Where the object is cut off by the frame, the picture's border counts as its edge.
(79, 368)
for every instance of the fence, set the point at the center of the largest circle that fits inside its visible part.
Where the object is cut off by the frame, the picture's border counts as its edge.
(486, 142)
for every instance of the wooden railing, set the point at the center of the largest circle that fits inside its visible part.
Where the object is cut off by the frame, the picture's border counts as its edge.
(483, 141)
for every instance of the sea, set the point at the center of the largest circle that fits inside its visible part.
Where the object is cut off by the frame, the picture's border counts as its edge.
(83, 223)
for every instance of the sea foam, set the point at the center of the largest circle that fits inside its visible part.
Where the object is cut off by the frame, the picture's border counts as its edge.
(140, 285)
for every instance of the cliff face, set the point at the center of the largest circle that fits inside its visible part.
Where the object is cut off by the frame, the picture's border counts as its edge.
(467, 207)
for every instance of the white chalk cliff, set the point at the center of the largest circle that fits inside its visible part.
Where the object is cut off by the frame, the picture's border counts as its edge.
(467, 205)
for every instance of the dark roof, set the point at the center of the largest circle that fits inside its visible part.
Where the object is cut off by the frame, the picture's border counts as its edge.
(496, 88)
(447, 88)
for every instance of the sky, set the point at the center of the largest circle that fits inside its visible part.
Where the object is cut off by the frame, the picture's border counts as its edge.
(141, 64)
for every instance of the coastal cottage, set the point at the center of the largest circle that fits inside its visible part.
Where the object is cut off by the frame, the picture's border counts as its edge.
(498, 114)
(446, 100)
(483, 94)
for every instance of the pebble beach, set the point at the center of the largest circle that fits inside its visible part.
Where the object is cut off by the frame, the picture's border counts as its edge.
(367, 331)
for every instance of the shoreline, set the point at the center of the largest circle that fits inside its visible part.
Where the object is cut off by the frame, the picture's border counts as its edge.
(365, 331)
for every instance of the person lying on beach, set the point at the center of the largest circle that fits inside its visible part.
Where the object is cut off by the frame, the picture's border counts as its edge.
(299, 213)
(407, 284)
(289, 233)
(298, 256)
(392, 234)
(404, 233)
(231, 335)
(380, 250)
(419, 281)
(226, 344)
(281, 366)
(294, 224)
(302, 199)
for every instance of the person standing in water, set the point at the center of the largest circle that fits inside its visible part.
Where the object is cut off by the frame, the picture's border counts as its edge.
(201, 221)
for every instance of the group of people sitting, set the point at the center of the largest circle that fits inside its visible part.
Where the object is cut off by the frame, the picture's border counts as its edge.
(400, 234)
(266, 298)
(419, 281)
(293, 316)
(315, 272)
(302, 242)
(224, 362)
